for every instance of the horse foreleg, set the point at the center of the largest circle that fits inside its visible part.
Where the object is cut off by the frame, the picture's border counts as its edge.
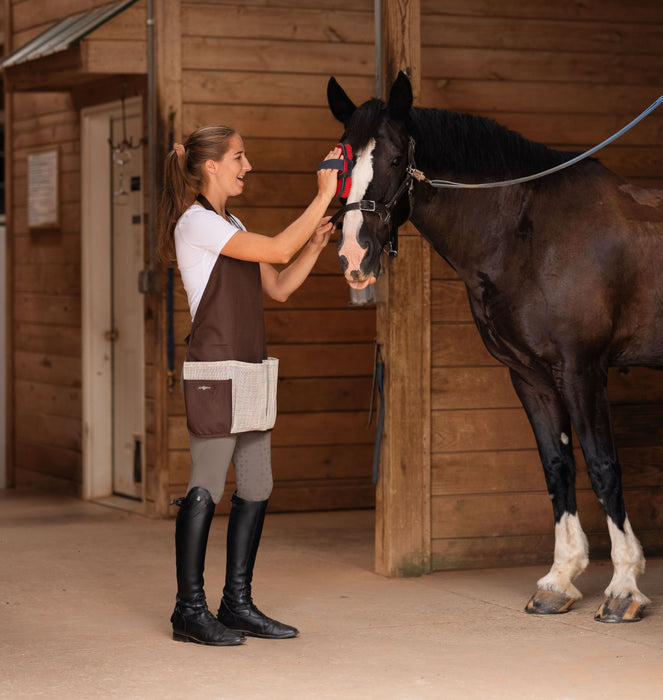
(550, 421)
(589, 408)
(624, 602)
(570, 559)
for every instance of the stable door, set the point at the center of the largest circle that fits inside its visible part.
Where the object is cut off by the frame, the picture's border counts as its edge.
(112, 190)
(126, 318)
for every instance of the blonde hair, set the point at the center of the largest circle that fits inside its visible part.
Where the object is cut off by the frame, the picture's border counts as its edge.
(183, 172)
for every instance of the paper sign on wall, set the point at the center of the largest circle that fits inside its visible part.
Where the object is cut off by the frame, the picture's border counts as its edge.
(43, 189)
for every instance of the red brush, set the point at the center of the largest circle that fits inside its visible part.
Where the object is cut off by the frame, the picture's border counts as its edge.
(344, 166)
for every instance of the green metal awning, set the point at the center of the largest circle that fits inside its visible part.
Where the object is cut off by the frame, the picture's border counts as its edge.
(65, 33)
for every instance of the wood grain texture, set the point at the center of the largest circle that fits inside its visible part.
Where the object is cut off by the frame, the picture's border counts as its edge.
(567, 74)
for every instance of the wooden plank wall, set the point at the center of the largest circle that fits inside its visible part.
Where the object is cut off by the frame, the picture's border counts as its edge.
(30, 17)
(45, 292)
(263, 69)
(569, 75)
(46, 304)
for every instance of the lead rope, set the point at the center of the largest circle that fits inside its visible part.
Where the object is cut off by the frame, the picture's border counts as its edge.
(170, 306)
(170, 312)
(378, 380)
(419, 175)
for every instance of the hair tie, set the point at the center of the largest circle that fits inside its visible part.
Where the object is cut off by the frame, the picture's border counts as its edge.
(179, 149)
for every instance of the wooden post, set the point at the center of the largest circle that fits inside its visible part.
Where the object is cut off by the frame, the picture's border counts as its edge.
(401, 43)
(169, 118)
(403, 320)
(10, 443)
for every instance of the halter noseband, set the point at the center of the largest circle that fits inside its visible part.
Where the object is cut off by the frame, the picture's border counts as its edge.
(384, 211)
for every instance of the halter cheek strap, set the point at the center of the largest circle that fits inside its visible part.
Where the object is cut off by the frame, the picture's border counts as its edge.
(344, 166)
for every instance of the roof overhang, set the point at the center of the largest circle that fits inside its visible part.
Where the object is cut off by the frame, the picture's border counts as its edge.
(80, 49)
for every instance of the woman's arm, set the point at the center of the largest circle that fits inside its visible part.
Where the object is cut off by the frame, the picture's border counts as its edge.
(280, 248)
(279, 285)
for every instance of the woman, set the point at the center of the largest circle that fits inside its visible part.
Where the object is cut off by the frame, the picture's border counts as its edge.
(225, 269)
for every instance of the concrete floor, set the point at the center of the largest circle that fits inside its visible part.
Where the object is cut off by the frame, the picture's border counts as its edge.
(87, 591)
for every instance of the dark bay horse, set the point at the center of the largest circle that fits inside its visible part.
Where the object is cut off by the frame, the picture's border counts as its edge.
(564, 276)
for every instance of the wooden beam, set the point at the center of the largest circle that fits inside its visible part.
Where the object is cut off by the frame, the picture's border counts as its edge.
(169, 117)
(105, 57)
(56, 72)
(401, 42)
(403, 541)
(10, 442)
(169, 62)
(86, 61)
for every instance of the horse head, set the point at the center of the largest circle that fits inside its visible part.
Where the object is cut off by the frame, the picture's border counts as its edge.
(377, 202)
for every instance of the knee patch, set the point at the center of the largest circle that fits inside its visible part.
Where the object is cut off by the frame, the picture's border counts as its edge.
(253, 466)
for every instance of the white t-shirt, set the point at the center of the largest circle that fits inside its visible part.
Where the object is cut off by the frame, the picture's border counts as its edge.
(200, 235)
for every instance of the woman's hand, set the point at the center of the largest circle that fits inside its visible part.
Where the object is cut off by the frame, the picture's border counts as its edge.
(281, 249)
(327, 177)
(322, 233)
(279, 285)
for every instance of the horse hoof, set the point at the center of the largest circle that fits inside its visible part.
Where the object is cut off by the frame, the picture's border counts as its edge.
(619, 610)
(549, 603)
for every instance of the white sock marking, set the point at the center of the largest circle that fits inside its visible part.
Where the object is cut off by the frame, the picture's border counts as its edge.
(629, 563)
(571, 557)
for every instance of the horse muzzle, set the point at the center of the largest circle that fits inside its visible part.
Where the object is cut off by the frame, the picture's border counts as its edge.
(358, 280)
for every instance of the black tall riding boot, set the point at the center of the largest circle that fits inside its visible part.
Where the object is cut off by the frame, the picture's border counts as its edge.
(192, 621)
(237, 610)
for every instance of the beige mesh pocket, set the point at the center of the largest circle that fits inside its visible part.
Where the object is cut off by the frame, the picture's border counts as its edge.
(254, 387)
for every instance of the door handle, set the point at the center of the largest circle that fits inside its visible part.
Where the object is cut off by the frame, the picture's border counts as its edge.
(111, 335)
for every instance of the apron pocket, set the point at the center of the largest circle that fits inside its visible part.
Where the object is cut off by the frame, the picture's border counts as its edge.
(252, 387)
(208, 406)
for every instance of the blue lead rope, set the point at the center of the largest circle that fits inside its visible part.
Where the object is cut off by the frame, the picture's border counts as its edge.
(378, 380)
(171, 329)
(170, 308)
(418, 175)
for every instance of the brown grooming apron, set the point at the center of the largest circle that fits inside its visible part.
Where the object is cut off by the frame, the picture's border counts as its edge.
(228, 326)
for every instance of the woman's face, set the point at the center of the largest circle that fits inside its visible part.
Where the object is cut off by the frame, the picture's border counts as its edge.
(232, 167)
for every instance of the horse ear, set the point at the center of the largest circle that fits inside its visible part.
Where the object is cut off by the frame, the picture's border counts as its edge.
(400, 97)
(342, 107)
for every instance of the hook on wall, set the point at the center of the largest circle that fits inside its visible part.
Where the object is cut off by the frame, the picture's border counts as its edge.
(121, 151)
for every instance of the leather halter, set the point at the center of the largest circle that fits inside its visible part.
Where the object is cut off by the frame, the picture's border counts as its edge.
(384, 211)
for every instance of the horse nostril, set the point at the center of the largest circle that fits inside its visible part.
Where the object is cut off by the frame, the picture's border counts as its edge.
(343, 262)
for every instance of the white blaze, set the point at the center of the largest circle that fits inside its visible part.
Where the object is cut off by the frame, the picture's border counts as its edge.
(362, 174)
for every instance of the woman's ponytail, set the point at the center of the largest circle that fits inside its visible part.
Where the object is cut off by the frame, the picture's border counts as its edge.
(183, 174)
(173, 203)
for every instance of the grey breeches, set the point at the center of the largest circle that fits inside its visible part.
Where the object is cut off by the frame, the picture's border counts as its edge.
(251, 456)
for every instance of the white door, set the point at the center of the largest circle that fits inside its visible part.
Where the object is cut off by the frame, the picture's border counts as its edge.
(113, 308)
(126, 326)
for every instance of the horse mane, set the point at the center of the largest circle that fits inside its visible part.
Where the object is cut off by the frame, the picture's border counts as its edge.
(459, 145)
(473, 146)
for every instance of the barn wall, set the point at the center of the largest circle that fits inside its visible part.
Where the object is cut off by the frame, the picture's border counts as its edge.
(568, 75)
(263, 69)
(241, 64)
(44, 284)
(46, 303)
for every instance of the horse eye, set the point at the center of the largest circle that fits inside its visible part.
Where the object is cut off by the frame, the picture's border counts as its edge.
(396, 161)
